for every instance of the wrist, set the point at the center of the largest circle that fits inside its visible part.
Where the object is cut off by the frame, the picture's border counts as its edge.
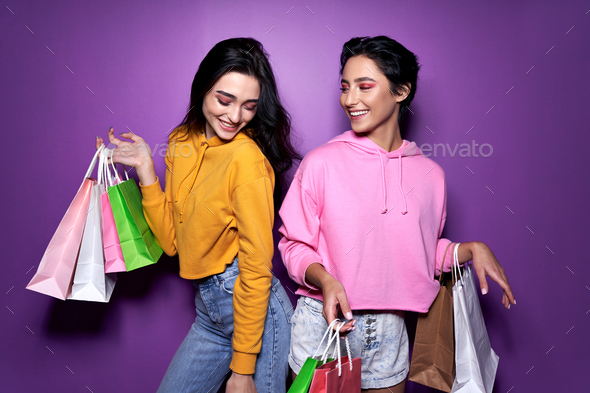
(239, 376)
(325, 279)
(146, 173)
(468, 250)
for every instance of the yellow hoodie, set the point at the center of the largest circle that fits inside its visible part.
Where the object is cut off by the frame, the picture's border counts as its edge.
(218, 203)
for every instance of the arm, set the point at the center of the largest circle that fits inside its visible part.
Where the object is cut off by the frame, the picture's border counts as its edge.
(486, 264)
(484, 260)
(157, 206)
(298, 247)
(159, 210)
(253, 210)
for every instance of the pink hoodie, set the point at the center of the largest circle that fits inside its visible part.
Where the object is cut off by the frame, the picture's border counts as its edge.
(372, 218)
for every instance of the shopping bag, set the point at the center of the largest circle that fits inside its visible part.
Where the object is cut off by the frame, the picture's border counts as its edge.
(113, 254)
(91, 283)
(137, 240)
(342, 375)
(56, 269)
(476, 361)
(303, 380)
(433, 356)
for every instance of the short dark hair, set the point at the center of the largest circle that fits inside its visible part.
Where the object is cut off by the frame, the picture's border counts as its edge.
(399, 65)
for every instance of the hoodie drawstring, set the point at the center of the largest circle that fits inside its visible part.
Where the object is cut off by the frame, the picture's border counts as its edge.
(384, 207)
(401, 190)
(195, 168)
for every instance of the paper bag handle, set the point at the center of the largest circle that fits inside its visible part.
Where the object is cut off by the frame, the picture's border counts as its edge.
(443, 263)
(338, 350)
(456, 268)
(328, 331)
(93, 163)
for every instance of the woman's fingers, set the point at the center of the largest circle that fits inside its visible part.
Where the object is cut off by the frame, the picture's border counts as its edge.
(502, 281)
(344, 306)
(500, 278)
(112, 137)
(483, 282)
(334, 298)
(131, 135)
(346, 311)
(486, 264)
(330, 310)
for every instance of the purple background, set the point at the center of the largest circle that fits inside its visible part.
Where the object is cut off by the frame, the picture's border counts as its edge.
(139, 58)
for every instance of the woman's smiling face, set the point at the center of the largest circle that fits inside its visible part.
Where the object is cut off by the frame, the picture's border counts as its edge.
(230, 105)
(366, 97)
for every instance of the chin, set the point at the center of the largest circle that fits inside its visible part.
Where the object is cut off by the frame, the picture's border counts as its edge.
(227, 135)
(358, 130)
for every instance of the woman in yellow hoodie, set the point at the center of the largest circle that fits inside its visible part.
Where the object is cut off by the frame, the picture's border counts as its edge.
(217, 214)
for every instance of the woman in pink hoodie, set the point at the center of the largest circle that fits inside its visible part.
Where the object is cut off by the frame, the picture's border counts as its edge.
(362, 222)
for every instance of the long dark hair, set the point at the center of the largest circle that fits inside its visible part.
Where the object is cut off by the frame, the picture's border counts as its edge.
(399, 65)
(271, 126)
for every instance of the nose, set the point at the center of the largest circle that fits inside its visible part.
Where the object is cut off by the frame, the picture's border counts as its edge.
(351, 98)
(234, 114)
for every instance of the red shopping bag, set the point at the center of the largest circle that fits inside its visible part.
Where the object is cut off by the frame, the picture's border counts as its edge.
(338, 376)
(327, 380)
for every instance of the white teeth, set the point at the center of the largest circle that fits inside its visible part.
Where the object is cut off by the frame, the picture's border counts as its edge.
(358, 113)
(227, 124)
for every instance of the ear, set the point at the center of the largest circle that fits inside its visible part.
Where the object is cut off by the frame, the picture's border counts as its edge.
(404, 92)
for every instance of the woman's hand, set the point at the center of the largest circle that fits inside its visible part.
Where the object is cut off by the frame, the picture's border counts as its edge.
(136, 154)
(240, 383)
(486, 264)
(333, 293)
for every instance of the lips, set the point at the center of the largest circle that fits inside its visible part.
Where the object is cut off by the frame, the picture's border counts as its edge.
(355, 115)
(225, 127)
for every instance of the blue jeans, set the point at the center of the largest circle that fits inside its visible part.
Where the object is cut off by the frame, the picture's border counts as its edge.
(202, 362)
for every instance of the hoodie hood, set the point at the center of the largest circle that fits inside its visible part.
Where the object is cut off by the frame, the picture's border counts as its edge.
(365, 145)
(202, 144)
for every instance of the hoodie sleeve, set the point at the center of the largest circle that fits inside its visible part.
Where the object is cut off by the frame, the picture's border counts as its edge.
(158, 209)
(253, 210)
(442, 243)
(300, 231)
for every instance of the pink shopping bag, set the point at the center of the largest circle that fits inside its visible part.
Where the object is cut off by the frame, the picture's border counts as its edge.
(91, 283)
(56, 270)
(113, 255)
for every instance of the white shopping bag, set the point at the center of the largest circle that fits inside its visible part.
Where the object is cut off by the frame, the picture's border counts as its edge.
(476, 361)
(91, 283)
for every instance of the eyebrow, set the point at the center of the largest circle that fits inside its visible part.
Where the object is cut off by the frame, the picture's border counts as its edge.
(233, 97)
(358, 80)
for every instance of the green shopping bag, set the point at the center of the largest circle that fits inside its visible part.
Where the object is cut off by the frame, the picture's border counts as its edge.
(138, 243)
(302, 382)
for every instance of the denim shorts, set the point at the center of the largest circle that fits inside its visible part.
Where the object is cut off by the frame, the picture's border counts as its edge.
(380, 340)
(202, 362)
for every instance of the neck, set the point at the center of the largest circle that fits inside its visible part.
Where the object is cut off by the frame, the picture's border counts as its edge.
(209, 132)
(387, 136)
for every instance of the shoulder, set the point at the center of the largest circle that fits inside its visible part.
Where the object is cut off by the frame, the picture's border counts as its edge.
(248, 161)
(180, 142)
(321, 156)
(428, 170)
(179, 134)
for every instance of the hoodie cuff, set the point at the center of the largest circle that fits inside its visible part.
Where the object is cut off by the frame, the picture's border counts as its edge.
(243, 363)
(304, 266)
(153, 193)
(441, 250)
